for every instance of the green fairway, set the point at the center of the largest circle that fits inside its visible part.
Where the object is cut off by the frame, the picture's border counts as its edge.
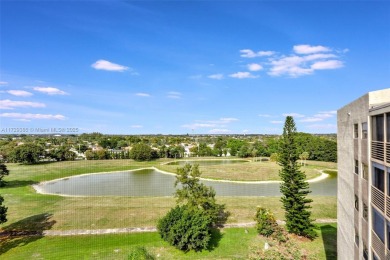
(232, 243)
(29, 211)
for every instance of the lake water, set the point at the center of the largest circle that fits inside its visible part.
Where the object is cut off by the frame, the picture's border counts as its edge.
(151, 182)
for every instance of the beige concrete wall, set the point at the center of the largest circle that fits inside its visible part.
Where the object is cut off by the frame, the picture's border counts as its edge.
(347, 150)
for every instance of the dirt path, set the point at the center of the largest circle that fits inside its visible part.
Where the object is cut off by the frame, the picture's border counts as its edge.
(78, 232)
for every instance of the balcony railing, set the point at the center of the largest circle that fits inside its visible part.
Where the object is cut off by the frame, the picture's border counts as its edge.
(378, 198)
(378, 246)
(378, 150)
(388, 152)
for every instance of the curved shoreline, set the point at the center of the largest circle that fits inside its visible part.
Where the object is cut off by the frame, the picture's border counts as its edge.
(38, 187)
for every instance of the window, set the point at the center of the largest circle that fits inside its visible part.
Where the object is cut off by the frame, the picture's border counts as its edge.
(365, 171)
(378, 179)
(356, 202)
(364, 130)
(388, 235)
(378, 224)
(356, 238)
(355, 131)
(388, 127)
(378, 128)
(357, 167)
(365, 252)
(365, 211)
(374, 256)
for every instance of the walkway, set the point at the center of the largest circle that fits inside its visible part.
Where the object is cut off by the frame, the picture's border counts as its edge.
(77, 232)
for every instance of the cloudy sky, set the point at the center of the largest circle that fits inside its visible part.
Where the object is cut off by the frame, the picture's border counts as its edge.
(178, 67)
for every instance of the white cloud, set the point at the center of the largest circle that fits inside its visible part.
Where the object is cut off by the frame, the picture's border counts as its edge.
(24, 117)
(219, 131)
(10, 104)
(136, 126)
(247, 53)
(243, 75)
(318, 56)
(254, 67)
(294, 115)
(174, 95)
(311, 119)
(19, 93)
(276, 122)
(198, 125)
(142, 94)
(211, 123)
(290, 65)
(319, 117)
(196, 76)
(264, 115)
(50, 90)
(216, 76)
(307, 49)
(109, 66)
(332, 127)
(228, 119)
(3, 83)
(327, 65)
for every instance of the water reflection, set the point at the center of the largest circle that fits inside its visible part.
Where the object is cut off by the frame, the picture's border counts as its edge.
(151, 182)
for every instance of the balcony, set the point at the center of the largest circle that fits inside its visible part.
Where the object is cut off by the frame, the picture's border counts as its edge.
(378, 246)
(378, 151)
(388, 152)
(378, 198)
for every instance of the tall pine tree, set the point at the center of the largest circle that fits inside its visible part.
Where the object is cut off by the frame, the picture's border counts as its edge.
(294, 188)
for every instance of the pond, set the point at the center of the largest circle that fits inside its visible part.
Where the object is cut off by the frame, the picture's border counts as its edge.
(151, 182)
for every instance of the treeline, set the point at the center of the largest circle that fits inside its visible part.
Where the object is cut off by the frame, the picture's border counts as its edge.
(96, 146)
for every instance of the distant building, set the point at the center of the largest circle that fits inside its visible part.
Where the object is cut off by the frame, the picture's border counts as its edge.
(363, 192)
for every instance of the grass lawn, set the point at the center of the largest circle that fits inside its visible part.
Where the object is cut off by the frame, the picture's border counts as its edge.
(114, 212)
(32, 212)
(253, 171)
(232, 243)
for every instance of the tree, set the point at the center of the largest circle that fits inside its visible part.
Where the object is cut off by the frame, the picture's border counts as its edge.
(304, 156)
(294, 188)
(186, 228)
(3, 211)
(141, 152)
(188, 225)
(3, 171)
(27, 153)
(195, 194)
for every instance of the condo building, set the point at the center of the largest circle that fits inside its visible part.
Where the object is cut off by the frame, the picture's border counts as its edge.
(363, 189)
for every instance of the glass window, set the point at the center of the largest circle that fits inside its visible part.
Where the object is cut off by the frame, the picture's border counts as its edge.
(365, 211)
(355, 131)
(365, 252)
(364, 130)
(378, 224)
(365, 171)
(378, 128)
(378, 179)
(356, 166)
(356, 238)
(388, 235)
(388, 127)
(356, 202)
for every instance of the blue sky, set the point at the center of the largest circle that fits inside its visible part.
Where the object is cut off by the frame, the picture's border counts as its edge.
(178, 67)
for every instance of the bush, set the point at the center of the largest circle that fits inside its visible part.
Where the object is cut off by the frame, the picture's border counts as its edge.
(186, 228)
(140, 253)
(266, 223)
(142, 152)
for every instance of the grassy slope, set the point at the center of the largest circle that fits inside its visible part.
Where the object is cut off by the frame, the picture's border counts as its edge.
(119, 246)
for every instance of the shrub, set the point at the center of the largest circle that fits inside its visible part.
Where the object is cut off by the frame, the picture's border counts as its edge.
(186, 228)
(266, 223)
(140, 253)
